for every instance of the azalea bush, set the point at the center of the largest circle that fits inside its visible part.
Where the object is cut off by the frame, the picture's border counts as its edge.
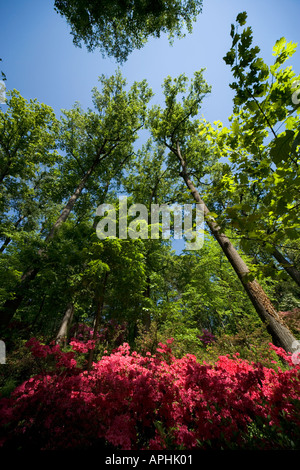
(132, 401)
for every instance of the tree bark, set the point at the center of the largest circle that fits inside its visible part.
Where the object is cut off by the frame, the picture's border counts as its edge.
(70, 204)
(281, 335)
(65, 324)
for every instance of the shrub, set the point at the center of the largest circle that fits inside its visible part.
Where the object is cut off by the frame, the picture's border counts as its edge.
(131, 401)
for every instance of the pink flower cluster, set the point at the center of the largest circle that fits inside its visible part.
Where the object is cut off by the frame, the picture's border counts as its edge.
(81, 347)
(62, 359)
(129, 401)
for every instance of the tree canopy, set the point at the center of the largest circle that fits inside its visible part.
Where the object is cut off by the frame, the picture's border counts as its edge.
(117, 27)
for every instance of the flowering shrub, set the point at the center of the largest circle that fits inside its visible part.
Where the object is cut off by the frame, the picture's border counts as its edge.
(154, 401)
(207, 337)
(81, 347)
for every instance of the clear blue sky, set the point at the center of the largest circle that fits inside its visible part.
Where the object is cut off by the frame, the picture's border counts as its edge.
(40, 60)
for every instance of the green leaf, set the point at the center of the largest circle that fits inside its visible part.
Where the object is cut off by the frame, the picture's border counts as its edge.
(229, 57)
(232, 31)
(295, 143)
(292, 233)
(235, 127)
(241, 18)
(279, 45)
(235, 39)
(252, 105)
(281, 147)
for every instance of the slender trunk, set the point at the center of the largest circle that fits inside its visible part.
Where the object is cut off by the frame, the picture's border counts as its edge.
(9, 308)
(96, 324)
(281, 335)
(70, 204)
(36, 319)
(290, 269)
(65, 324)
(100, 303)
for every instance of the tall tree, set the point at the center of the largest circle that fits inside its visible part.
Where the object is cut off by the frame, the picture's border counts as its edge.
(97, 144)
(175, 128)
(28, 140)
(262, 145)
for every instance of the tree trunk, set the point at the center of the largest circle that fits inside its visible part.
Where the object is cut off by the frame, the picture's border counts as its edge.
(281, 335)
(9, 308)
(290, 269)
(65, 324)
(70, 204)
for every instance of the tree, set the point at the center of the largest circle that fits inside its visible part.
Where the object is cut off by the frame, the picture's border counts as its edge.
(262, 145)
(174, 128)
(28, 154)
(97, 143)
(150, 182)
(118, 27)
(65, 325)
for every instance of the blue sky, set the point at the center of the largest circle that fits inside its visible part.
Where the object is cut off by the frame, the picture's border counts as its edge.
(40, 60)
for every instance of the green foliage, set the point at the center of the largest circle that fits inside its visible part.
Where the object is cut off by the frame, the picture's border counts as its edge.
(250, 341)
(97, 146)
(261, 184)
(177, 121)
(28, 156)
(117, 27)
